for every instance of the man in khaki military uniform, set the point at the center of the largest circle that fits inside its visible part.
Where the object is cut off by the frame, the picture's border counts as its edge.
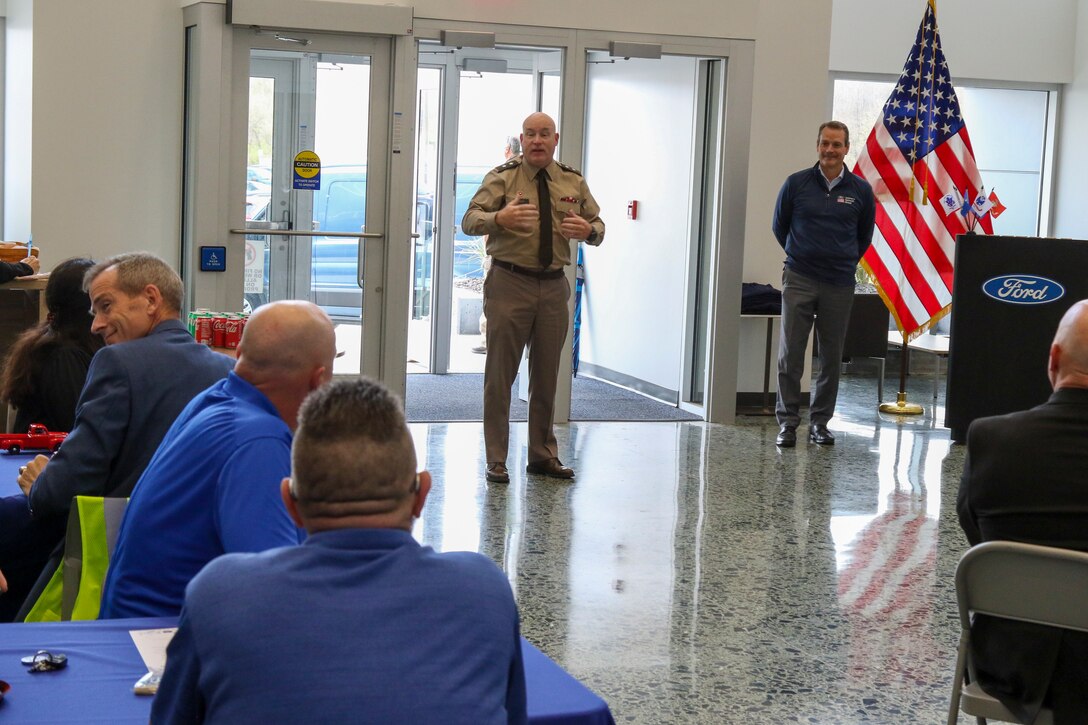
(526, 291)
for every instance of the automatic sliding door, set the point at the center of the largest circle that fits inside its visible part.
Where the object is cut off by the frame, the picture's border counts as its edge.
(472, 135)
(313, 127)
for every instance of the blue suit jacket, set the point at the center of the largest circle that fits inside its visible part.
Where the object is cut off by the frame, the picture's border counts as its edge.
(134, 391)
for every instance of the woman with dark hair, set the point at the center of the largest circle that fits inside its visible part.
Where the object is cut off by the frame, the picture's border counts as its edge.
(43, 376)
(47, 366)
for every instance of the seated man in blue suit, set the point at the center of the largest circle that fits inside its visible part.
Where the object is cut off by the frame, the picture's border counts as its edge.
(213, 487)
(1024, 480)
(360, 623)
(136, 386)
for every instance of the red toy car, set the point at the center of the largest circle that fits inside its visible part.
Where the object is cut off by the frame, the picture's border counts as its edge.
(38, 437)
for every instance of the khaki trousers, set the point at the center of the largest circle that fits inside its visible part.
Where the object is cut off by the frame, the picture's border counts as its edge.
(523, 311)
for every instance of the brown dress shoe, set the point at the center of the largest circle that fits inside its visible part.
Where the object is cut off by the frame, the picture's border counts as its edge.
(496, 473)
(552, 467)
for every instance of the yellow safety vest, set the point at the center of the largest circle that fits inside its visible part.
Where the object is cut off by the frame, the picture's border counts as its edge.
(75, 590)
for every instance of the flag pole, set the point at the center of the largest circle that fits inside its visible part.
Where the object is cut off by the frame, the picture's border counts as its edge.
(901, 406)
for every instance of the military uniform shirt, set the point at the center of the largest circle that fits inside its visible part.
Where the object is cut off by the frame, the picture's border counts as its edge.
(515, 180)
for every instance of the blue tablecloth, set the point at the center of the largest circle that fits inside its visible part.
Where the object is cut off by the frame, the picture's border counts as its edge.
(9, 471)
(103, 664)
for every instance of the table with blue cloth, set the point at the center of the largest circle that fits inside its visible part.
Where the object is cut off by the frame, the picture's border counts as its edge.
(103, 665)
(24, 542)
(9, 470)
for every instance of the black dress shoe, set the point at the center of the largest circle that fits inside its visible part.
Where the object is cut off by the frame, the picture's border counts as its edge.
(496, 473)
(551, 467)
(820, 435)
(787, 436)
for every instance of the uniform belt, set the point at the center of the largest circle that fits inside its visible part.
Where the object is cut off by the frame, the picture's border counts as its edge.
(537, 273)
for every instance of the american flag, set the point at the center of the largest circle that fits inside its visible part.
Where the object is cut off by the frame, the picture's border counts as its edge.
(917, 153)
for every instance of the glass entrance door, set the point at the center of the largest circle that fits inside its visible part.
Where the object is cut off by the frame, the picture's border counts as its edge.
(475, 100)
(317, 116)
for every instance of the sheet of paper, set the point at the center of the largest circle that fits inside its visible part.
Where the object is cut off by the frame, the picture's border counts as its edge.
(151, 644)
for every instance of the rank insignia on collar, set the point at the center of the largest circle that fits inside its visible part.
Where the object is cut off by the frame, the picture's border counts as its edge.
(565, 167)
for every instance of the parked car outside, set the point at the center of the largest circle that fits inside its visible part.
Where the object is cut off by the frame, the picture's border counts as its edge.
(340, 206)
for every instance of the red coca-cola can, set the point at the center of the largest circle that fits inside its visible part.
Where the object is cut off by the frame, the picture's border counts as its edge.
(202, 330)
(232, 333)
(219, 331)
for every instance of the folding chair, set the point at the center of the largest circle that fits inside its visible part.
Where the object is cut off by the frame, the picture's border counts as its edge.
(1037, 584)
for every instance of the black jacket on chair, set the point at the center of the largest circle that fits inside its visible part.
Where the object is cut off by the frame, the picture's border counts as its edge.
(1026, 479)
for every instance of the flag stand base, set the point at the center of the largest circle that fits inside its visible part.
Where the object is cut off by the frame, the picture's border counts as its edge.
(901, 406)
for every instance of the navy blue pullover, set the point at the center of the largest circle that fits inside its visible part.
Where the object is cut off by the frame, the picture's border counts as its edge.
(825, 233)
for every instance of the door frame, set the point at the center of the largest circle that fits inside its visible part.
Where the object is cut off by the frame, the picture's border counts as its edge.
(217, 100)
(214, 198)
(727, 256)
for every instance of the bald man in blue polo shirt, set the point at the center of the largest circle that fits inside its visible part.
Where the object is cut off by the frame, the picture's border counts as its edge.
(213, 486)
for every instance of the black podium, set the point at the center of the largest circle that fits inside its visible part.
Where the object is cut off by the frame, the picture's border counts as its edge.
(1008, 296)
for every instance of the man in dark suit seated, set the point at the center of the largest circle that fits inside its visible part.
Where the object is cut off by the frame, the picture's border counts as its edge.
(136, 386)
(361, 623)
(1026, 479)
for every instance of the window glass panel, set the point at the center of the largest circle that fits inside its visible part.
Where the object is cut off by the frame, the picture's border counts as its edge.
(1008, 134)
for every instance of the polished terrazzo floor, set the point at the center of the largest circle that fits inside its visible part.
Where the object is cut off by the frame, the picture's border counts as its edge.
(695, 573)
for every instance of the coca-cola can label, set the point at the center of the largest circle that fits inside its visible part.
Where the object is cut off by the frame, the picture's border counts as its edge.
(232, 333)
(202, 330)
(219, 331)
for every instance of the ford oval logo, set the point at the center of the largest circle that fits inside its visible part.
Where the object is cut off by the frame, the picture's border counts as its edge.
(1023, 289)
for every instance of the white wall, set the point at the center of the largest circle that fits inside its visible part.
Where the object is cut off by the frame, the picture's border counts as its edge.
(639, 146)
(725, 19)
(788, 106)
(999, 39)
(107, 129)
(1070, 218)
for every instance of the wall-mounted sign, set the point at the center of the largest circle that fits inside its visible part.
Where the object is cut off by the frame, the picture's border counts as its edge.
(307, 174)
(213, 259)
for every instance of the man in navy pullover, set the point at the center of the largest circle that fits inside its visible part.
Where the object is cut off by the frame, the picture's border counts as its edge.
(824, 220)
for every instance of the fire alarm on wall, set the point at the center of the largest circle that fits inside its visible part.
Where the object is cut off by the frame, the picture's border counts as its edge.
(632, 209)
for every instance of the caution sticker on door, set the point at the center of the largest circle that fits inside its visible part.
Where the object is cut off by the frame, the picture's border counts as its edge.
(307, 170)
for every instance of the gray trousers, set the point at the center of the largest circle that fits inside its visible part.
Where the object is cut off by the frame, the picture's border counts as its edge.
(804, 300)
(523, 311)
